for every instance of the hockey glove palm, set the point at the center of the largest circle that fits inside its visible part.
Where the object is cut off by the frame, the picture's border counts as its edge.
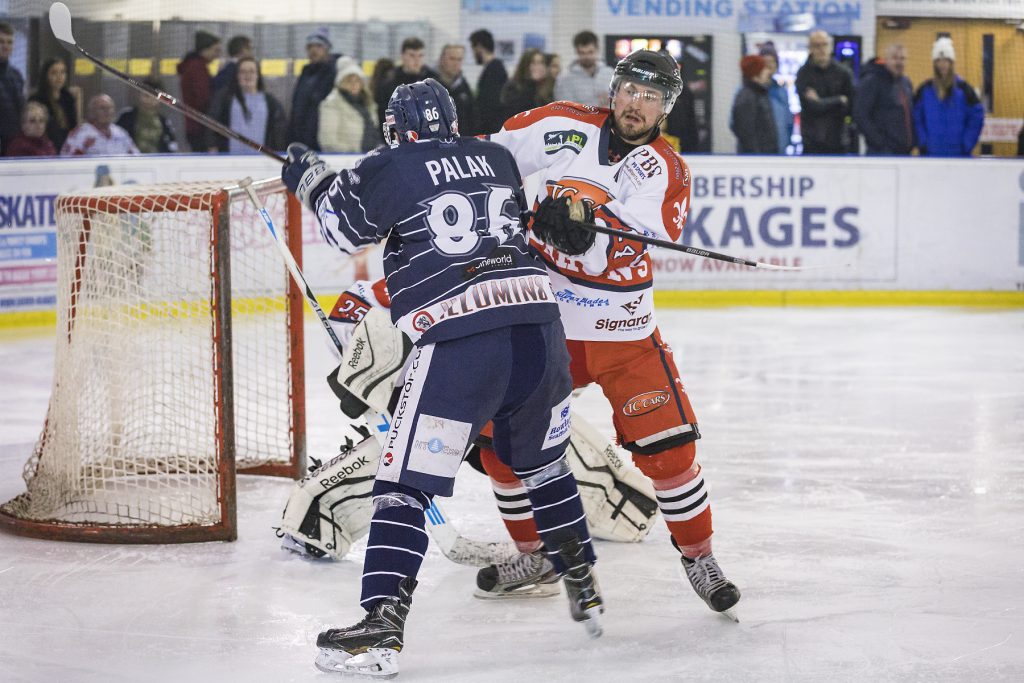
(554, 225)
(305, 175)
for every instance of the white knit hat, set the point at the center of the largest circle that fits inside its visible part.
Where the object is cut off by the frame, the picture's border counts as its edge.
(943, 47)
(346, 66)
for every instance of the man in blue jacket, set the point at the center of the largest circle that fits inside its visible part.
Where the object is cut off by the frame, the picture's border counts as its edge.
(883, 104)
(948, 115)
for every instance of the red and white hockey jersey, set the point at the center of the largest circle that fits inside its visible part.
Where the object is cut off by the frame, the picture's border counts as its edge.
(606, 293)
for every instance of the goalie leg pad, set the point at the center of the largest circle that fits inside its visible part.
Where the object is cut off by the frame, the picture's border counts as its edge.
(330, 508)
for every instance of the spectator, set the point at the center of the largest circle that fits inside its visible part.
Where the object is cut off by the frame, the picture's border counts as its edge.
(315, 83)
(99, 135)
(825, 88)
(779, 97)
(883, 104)
(238, 48)
(61, 106)
(530, 85)
(449, 67)
(12, 89)
(246, 107)
(383, 73)
(32, 140)
(586, 80)
(196, 83)
(348, 117)
(489, 111)
(948, 115)
(752, 119)
(681, 122)
(148, 128)
(554, 63)
(410, 69)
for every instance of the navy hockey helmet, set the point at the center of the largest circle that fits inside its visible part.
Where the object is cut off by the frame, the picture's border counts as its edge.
(655, 69)
(420, 111)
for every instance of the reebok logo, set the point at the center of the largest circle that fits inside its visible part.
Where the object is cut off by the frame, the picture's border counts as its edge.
(346, 470)
(357, 353)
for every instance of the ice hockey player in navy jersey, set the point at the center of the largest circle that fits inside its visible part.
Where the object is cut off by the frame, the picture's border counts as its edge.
(489, 346)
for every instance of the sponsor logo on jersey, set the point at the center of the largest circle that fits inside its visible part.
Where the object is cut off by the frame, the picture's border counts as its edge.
(567, 296)
(399, 416)
(625, 325)
(346, 470)
(501, 257)
(422, 321)
(631, 306)
(644, 403)
(436, 446)
(557, 140)
(494, 294)
(388, 459)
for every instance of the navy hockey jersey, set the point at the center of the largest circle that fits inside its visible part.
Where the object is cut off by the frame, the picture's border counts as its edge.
(456, 258)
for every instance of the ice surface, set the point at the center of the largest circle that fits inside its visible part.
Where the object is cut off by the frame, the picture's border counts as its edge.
(867, 474)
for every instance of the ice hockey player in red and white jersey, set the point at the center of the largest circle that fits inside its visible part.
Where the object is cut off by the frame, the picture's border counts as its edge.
(614, 164)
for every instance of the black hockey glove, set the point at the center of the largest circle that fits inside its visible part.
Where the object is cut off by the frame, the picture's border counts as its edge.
(553, 225)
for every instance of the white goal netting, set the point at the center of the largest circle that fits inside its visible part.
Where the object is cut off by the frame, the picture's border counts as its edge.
(179, 358)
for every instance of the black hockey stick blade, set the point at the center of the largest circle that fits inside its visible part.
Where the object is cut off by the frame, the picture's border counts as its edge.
(60, 24)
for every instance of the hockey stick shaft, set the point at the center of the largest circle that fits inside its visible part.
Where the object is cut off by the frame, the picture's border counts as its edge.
(60, 24)
(693, 251)
(293, 267)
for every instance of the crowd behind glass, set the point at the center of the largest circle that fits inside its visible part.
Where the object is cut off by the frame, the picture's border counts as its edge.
(337, 107)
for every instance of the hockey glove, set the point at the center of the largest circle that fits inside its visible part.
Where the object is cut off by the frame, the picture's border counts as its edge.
(305, 175)
(555, 224)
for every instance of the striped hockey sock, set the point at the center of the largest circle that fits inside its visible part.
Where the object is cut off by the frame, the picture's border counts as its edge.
(557, 508)
(687, 512)
(397, 541)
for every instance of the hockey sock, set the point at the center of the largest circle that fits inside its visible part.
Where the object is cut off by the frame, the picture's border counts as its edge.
(513, 502)
(557, 508)
(684, 504)
(397, 541)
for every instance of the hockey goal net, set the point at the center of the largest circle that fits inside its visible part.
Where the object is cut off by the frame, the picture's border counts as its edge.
(179, 360)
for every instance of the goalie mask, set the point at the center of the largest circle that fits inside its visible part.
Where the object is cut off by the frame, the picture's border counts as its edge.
(420, 111)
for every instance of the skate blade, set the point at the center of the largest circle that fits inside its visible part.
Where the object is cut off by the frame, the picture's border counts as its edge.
(730, 615)
(592, 622)
(376, 663)
(539, 590)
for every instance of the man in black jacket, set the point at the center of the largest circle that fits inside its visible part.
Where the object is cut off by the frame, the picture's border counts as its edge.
(825, 88)
(884, 104)
(410, 70)
(490, 112)
(315, 83)
(449, 66)
(12, 89)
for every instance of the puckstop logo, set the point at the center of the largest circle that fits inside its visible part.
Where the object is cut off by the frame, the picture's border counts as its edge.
(644, 403)
(422, 321)
(388, 459)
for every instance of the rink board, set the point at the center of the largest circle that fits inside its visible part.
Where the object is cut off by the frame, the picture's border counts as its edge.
(889, 231)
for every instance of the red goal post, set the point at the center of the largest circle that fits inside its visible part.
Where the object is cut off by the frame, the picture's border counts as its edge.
(179, 362)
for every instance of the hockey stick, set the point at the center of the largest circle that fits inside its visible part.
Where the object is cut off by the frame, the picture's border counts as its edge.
(452, 544)
(693, 251)
(60, 24)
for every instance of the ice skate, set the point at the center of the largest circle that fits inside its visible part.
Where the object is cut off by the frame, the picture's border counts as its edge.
(585, 603)
(370, 648)
(710, 584)
(527, 575)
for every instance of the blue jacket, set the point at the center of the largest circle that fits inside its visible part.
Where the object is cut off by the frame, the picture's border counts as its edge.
(779, 96)
(883, 110)
(949, 127)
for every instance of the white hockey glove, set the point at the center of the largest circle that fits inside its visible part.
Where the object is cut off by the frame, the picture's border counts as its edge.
(305, 175)
(618, 499)
(330, 509)
(372, 361)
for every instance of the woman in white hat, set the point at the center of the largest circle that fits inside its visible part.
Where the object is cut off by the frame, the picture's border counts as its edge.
(947, 112)
(348, 117)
